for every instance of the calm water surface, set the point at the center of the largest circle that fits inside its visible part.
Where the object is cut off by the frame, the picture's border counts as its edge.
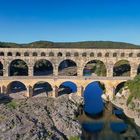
(102, 121)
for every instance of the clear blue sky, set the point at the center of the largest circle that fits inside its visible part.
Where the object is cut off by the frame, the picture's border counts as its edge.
(24, 21)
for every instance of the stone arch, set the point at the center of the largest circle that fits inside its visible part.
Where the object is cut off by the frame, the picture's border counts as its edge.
(96, 67)
(1, 53)
(84, 54)
(67, 87)
(130, 54)
(43, 54)
(67, 67)
(92, 54)
(17, 87)
(43, 67)
(26, 54)
(9, 54)
(35, 54)
(138, 54)
(1, 69)
(122, 54)
(107, 54)
(68, 54)
(51, 54)
(119, 87)
(59, 54)
(18, 67)
(76, 54)
(122, 68)
(114, 54)
(18, 54)
(99, 54)
(42, 87)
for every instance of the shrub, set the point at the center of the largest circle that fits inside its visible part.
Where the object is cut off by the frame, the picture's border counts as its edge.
(13, 104)
(134, 87)
(74, 138)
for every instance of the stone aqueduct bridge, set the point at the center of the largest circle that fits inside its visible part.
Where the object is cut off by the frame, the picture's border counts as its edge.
(56, 55)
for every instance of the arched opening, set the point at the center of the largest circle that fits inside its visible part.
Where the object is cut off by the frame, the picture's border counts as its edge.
(18, 67)
(122, 54)
(67, 88)
(67, 68)
(138, 70)
(26, 54)
(92, 54)
(9, 54)
(43, 67)
(119, 87)
(138, 55)
(68, 54)
(59, 54)
(94, 104)
(76, 54)
(42, 88)
(1, 69)
(99, 54)
(16, 87)
(43, 54)
(107, 54)
(122, 68)
(130, 54)
(18, 54)
(114, 54)
(1, 53)
(34, 53)
(95, 68)
(118, 93)
(84, 54)
(51, 54)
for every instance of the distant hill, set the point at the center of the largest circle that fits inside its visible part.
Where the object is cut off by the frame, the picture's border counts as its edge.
(85, 44)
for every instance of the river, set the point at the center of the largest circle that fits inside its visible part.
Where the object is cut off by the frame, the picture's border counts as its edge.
(103, 121)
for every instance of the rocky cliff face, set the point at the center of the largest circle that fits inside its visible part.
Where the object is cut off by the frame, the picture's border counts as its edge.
(40, 118)
(131, 110)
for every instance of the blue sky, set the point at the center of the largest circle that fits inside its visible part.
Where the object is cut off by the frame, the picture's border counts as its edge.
(24, 21)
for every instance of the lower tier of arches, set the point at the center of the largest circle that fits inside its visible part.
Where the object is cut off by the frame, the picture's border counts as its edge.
(54, 87)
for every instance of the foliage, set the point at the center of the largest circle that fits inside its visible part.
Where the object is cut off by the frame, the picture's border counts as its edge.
(100, 69)
(74, 138)
(134, 87)
(129, 99)
(13, 104)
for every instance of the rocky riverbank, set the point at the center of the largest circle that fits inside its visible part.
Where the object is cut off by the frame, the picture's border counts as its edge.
(39, 118)
(132, 110)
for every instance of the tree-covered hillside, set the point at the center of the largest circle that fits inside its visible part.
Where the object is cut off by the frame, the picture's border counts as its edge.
(86, 44)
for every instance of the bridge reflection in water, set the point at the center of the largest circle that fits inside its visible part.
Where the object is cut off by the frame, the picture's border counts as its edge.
(111, 124)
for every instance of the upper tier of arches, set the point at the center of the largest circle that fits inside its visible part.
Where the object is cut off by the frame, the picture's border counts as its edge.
(67, 67)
